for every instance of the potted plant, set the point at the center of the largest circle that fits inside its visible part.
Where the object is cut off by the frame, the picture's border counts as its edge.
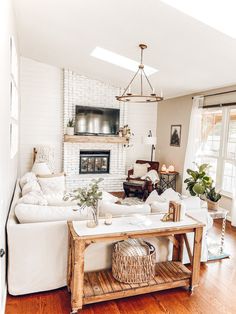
(199, 181)
(88, 197)
(213, 199)
(70, 127)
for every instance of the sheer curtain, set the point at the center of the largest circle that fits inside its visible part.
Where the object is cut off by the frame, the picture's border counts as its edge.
(194, 137)
(233, 209)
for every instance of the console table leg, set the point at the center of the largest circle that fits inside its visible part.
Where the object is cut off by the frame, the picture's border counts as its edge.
(223, 235)
(196, 258)
(77, 276)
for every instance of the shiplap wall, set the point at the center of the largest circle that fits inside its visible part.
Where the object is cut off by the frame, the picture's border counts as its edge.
(41, 110)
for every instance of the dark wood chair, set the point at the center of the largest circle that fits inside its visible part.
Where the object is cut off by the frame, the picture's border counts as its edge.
(138, 185)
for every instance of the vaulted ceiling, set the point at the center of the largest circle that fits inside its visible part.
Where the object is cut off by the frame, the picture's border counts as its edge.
(190, 55)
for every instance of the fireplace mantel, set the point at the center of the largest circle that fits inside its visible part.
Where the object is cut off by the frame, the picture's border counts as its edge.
(94, 139)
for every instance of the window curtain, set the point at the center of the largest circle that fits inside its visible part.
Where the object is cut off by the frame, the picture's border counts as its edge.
(194, 137)
(233, 209)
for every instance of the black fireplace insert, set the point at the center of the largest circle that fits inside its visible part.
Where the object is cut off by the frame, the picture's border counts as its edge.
(94, 161)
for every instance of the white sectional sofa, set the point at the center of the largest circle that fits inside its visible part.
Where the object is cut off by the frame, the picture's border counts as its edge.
(37, 247)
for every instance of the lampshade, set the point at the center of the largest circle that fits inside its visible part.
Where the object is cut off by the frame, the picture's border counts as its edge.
(150, 140)
(41, 168)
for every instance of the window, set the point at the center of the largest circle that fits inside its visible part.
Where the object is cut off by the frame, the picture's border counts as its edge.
(218, 145)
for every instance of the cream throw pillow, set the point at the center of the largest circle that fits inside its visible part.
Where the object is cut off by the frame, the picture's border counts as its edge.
(52, 184)
(140, 170)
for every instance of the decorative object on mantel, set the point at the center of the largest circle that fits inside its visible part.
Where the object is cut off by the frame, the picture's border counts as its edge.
(150, 140)
(133, 261)
(88, 197)
(70, 130)
(140, 98)
(175, 135)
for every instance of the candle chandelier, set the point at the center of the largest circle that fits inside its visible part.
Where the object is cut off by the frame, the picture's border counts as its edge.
(140, 98)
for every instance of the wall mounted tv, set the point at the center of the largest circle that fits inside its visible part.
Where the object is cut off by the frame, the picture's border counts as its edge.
(96, 121)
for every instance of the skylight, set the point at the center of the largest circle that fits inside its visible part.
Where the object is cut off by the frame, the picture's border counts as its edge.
(121, 61)
(218, 14)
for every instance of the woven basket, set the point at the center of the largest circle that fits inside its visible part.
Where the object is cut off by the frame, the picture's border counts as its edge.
(135, 268)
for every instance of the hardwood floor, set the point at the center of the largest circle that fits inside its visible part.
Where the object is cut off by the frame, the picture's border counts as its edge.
(216, 293)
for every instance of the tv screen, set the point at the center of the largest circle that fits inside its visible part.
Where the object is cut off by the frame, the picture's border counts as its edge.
(96, 121)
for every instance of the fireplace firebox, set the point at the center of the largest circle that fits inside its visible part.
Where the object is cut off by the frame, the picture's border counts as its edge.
(94, 161)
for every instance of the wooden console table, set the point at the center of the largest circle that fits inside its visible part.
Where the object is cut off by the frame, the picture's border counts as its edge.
(100, 286)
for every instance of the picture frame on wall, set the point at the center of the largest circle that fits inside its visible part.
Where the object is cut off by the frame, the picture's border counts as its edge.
(175, 135)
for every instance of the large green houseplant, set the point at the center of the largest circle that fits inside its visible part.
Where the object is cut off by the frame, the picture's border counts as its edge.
(199, 181)
(200, 184)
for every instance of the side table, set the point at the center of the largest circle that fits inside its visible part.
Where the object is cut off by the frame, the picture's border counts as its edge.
(168, 180)
(217, 252)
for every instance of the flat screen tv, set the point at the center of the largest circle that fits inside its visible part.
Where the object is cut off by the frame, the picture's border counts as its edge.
(96, 121)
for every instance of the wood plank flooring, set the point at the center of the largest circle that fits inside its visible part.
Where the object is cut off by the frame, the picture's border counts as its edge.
(215, 295)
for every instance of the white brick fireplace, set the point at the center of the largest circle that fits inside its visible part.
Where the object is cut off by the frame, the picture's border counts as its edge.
(79, 90)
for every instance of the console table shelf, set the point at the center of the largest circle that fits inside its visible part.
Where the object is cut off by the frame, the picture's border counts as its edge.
(94, 139)
(100, 286)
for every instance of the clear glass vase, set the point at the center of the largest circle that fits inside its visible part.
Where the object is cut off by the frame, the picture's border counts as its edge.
(92, 221)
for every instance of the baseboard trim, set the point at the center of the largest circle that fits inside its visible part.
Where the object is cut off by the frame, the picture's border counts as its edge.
(3, 303)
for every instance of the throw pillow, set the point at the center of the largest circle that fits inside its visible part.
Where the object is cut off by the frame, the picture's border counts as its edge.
(108, 197)
(31, 186)
(140, 170)
(41, 168)
(29, 176)
(154, 197)
(170, 195)
(52, 184)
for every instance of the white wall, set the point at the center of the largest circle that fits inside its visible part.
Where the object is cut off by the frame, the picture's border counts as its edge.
(141, 118)
(41, 110)
(8, 166)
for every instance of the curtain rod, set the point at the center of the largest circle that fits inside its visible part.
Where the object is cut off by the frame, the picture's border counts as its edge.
(220, 93)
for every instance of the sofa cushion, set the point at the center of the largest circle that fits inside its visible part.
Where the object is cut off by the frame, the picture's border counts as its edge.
(154, 197)
(51, 184)
(28, 177)
(33, 197)
(117, 209)
(140, 170)
(27, 213)
(192, 202)
(171, 195)
(31, 186)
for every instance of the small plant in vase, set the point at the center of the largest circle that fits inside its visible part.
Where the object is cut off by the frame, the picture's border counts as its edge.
(213, 199)
(88, 197)
(70, 127)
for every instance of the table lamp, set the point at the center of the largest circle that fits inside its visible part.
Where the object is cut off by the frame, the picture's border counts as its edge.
(150, 140)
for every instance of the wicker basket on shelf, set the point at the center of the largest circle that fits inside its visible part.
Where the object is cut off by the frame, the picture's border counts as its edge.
(133, 261)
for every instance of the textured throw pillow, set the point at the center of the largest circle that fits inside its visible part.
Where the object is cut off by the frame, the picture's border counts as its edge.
(31, 186)
(108, 197)
(154, 197)
(171, 195)
(34, 198)
(52, 184)
(140, 170)
(29, 176)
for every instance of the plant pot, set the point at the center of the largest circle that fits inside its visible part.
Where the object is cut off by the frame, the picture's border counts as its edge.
(70, 130)
(212, 205)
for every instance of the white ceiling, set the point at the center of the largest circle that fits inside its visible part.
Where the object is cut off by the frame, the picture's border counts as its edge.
(190, 55)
